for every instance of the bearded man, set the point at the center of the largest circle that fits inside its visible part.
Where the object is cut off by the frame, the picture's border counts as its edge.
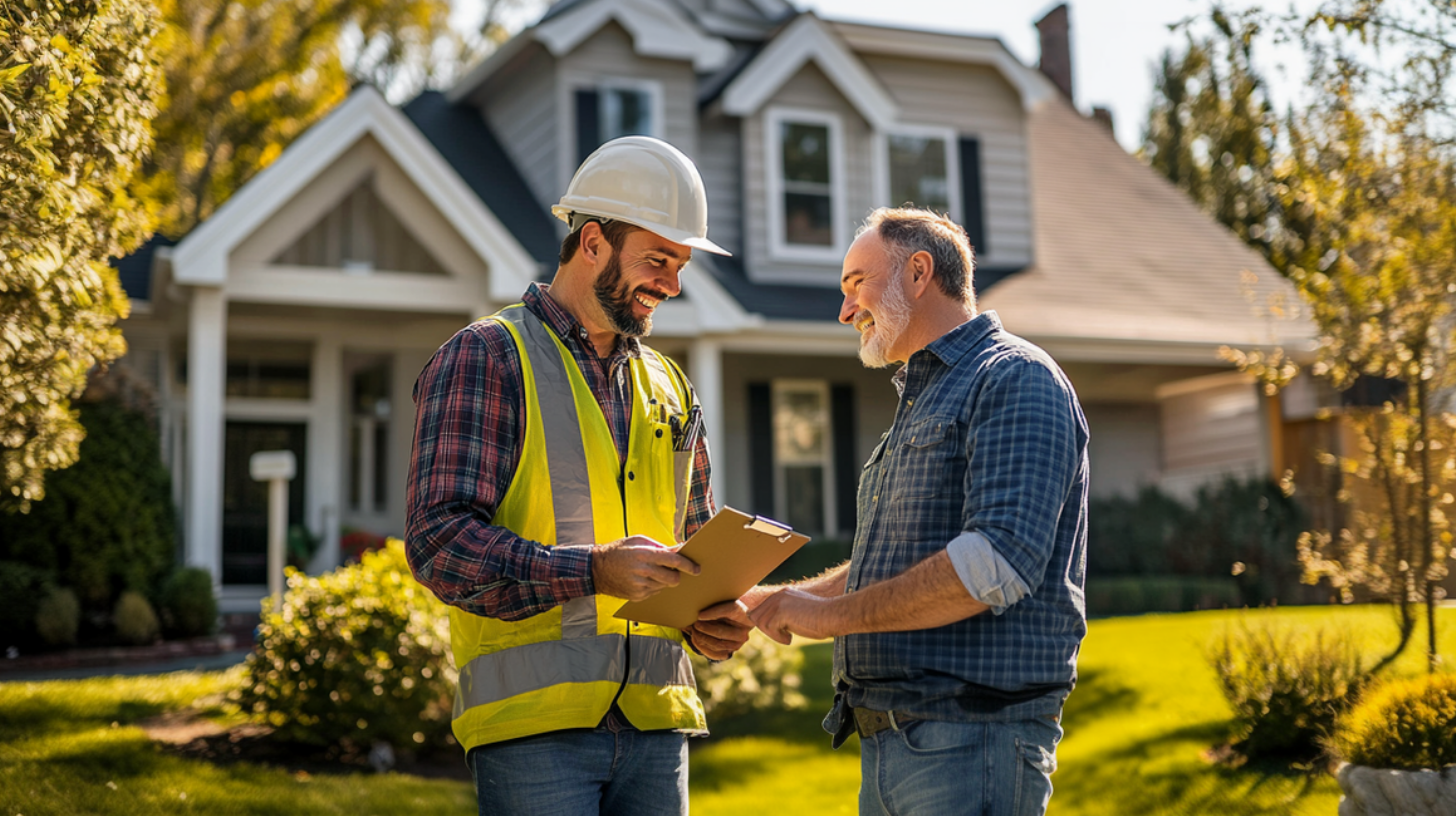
(549, 476)
(958, 618)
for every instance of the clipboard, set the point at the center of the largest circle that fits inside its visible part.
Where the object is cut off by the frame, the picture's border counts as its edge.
(736, 552)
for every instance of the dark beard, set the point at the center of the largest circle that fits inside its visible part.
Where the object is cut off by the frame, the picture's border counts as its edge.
(617, 302)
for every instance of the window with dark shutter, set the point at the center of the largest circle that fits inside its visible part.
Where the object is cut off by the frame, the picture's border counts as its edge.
(588, 123)
(973, 213)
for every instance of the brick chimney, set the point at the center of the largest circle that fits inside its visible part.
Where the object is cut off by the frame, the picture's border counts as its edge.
(1056, 48)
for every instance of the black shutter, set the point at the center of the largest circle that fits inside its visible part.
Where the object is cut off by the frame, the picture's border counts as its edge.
(974, 219)
(760, 449)
(846, 461)
(588, 124)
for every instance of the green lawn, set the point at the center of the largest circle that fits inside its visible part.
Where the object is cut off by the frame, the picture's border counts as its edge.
(1145, 710)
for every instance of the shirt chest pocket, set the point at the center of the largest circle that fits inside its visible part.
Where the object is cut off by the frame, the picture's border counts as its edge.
(926, 463)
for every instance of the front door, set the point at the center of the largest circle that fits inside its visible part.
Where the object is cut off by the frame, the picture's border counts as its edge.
(245, 502)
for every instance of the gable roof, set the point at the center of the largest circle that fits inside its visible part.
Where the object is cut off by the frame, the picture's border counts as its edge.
(807, 39)
(1124, 257)
(659, 28)
(465, 140)
(202, 256)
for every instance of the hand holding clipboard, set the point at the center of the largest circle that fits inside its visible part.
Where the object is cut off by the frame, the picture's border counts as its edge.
(735, 551)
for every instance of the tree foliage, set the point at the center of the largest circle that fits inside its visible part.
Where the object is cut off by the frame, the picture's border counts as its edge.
(77, 88)
(1211, 129)
(247, 77)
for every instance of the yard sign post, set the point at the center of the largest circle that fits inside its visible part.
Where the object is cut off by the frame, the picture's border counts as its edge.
(277, 469)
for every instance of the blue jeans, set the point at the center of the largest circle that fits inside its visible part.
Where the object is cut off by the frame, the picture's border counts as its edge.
(610, 770)
(932, 768)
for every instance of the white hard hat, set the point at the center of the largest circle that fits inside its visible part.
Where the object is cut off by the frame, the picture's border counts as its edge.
(645, 182)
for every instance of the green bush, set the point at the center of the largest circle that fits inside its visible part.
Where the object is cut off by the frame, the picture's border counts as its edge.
(1285, 686)
(810, 560)
(22, 588)
(1404, 724)
(58, 618)
(763, 674)
(135, 621)
(106, 523)
(189, 608)
(355, 655)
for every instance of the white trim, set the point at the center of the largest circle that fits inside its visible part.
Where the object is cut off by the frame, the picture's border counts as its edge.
(659, 29)
(202, 257)
(881, 164)
(779, 247)
(334, 289)
(1033, 86)
(566, 87)
(808, 38)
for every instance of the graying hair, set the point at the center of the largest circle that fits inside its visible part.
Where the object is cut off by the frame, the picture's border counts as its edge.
(908, 230)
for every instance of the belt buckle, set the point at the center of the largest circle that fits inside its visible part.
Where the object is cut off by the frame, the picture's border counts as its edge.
(870, 722)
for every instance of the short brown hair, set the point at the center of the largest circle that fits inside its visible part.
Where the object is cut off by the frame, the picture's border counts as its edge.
(908, 230)
(614, 231)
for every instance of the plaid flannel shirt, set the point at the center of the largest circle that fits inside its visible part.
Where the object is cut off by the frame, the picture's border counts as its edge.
(468, 438)
(988, 439)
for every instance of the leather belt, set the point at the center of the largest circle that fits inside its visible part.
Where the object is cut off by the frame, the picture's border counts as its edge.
(868, 722)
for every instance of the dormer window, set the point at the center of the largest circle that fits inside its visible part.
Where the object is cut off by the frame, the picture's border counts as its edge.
(920, 172)
(805, 182)
(614, 108)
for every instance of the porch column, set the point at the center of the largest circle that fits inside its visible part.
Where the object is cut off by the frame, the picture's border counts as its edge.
(206, 381)
(705, 364)
(328, 430)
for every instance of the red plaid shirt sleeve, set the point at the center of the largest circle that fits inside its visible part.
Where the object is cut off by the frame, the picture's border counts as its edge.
(468, 404)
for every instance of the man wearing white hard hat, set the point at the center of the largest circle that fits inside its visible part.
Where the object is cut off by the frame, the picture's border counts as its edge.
(556, 459)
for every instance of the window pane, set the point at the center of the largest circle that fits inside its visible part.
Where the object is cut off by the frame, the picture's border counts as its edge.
(806, 152)
(625, 112)
(268, 370)
(799, 426)
(918, 173)
(807, 219)
(804, 498)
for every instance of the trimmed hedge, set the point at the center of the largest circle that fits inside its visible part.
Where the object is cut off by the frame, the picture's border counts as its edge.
(762, 674)
(1133, 595)
(1402, 724)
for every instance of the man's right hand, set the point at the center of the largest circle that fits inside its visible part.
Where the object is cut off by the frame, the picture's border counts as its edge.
(637, 567)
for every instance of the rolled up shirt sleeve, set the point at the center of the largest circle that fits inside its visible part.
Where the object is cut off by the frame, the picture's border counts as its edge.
(984, 573)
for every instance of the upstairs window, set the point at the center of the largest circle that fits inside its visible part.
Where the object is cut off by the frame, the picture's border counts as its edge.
(805, 185)
(919, 171)
(615, 108)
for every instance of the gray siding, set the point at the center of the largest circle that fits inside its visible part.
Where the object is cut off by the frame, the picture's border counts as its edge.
(1122, 447)
(809, 89)
(521, 110)
(976, 101)
(720, 161)
(608, 54)
(875, 401)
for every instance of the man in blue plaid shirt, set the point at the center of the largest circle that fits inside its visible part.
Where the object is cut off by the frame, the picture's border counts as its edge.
(958, 618)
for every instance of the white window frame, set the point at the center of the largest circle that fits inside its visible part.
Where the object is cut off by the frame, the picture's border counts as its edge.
(779, 247)
(566, 111)
(951, 138)
(777, 387)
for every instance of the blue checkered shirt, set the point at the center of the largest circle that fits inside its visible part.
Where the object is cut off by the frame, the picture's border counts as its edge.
(988, 445)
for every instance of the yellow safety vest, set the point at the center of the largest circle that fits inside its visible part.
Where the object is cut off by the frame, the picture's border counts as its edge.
(563, 668)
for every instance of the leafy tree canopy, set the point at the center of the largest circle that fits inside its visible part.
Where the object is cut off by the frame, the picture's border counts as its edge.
(78, 85)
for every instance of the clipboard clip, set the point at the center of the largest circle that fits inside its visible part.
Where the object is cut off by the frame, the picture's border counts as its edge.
(768, 526)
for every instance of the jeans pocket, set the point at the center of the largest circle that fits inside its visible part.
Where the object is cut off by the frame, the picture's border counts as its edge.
(931, 736)
(1033, 776)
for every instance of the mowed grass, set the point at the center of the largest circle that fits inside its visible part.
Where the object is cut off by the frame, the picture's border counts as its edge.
(74, 747)
(1144, 713)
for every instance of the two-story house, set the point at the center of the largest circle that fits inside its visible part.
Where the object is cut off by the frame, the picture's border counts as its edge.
(299, 315)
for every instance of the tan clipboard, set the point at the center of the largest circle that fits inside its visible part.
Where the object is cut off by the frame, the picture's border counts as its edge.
(736, 552)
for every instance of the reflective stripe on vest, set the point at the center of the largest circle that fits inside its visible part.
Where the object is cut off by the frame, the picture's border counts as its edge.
(530, 677)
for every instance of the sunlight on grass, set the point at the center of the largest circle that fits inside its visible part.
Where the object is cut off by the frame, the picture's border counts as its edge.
(1145, 711)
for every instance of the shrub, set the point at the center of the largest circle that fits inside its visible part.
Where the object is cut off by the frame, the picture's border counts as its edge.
(1285, 687)
(355, 655)
(106, 523)
(1404, 724)
(22, 588)
(134, 619)
(763, 674)
(189, 608)
(58, 618)
(1131, 595)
